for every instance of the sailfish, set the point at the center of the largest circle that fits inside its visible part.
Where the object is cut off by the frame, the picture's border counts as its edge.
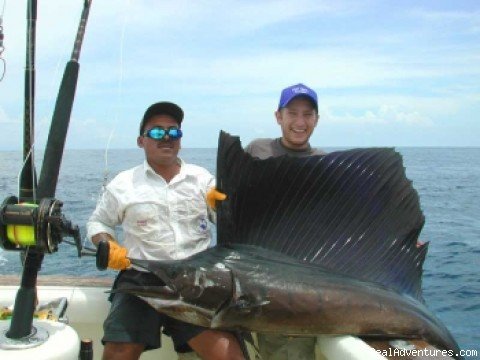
(326, 244)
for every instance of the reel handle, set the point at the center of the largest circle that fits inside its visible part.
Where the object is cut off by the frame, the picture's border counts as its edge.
(103, 251)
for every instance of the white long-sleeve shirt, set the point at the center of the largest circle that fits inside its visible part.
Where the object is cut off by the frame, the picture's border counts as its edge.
(160, 220)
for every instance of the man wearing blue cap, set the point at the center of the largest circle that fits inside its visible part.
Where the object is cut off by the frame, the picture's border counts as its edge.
(297, 115)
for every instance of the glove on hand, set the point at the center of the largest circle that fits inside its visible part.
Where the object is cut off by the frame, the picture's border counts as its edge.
(213, 195)
(117, 256)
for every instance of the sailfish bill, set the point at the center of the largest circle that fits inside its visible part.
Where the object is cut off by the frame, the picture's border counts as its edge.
(321, 245)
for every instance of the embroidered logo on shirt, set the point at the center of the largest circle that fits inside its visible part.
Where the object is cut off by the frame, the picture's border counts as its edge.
(203, 224)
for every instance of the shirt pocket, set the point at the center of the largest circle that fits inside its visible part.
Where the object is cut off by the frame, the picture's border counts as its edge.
(142, 218)
(192, 212)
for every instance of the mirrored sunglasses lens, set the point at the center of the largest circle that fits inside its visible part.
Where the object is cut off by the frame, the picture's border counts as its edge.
(174, 133)
(156, 133)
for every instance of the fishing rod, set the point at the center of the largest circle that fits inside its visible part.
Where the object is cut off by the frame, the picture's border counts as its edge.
(21, 324)
(34, 222)
(28, 178)
(3, 69)
(61, 116)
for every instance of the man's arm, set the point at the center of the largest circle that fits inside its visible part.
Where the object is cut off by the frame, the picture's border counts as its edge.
(101, 228)
(104, 218)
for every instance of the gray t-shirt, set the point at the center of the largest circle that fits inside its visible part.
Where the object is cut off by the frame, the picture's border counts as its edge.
(265, 148)
(276, 344)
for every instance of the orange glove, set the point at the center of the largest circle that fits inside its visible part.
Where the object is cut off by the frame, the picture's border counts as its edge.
(213, 195)
(117, 256)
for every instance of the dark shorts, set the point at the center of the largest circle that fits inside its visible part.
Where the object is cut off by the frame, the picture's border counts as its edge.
(132, 320)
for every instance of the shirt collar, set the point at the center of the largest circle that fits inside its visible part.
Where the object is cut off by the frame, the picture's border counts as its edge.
(149, 170)
(308, 149)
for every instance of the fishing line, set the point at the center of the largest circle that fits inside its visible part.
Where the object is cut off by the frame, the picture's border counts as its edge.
(24, 163)
(119, 95)
(118, 102)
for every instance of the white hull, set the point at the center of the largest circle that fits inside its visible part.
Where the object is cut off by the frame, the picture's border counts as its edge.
(88, 307)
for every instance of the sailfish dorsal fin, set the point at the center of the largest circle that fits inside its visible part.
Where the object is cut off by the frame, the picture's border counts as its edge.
(353, 212)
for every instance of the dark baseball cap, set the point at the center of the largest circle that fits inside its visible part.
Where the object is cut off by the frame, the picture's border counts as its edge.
(162, 108)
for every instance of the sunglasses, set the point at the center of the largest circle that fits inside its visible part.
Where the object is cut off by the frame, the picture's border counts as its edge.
(159, 133)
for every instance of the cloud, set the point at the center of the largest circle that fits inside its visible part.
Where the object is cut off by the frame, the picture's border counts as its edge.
(222, 18)
(439, 16)
(384, 115)
(226, 61)
(463, 20)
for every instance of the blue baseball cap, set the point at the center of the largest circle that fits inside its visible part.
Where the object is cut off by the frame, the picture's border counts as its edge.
(294, 91)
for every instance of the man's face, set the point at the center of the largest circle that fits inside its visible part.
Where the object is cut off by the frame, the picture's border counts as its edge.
(297, 120)
(160, 152)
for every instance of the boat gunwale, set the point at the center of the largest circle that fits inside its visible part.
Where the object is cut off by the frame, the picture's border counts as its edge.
(56, 280)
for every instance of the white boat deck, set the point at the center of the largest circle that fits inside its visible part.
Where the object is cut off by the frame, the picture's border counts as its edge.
(88, 306)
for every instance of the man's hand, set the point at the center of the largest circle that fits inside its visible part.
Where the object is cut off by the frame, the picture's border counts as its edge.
(213, 195)
(117, 257)
(107, 246)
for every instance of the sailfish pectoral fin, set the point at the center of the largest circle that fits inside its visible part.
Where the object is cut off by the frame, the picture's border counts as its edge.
(241, 304)
(248, 305)
(237, 308)
(245, 305)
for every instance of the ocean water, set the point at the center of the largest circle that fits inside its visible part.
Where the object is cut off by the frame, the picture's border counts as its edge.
(447, 179)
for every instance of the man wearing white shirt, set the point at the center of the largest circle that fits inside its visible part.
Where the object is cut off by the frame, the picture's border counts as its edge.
(162, 208)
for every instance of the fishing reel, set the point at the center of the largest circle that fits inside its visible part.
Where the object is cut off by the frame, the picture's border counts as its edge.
(41, 227)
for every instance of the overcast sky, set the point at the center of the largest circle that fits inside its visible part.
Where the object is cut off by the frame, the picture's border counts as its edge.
(387, 73)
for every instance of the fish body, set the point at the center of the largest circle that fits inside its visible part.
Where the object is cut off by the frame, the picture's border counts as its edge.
(252, 289)
(326, 244)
